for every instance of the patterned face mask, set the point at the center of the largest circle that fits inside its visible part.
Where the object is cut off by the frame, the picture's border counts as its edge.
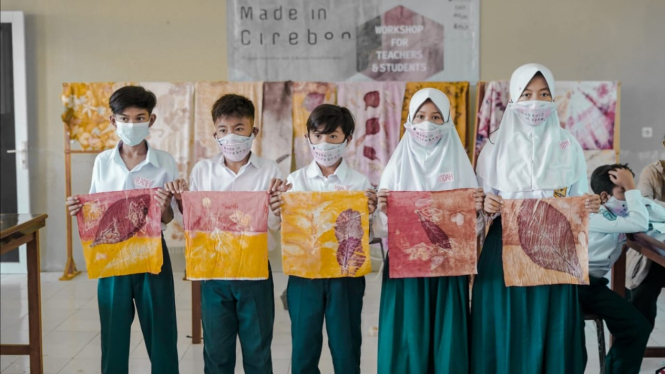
(327, 154)
(616, 206)
(235, 147)
(427, 134)
(534, 112)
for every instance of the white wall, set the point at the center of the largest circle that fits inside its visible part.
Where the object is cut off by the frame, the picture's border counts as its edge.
(169, 40)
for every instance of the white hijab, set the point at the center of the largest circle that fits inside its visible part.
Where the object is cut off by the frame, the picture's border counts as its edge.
(444, 166)
(520, 157)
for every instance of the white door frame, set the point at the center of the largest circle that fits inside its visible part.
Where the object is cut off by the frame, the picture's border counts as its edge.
(16, 19)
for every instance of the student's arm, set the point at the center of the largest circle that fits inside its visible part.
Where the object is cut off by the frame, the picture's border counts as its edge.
(165, 196)
(579, 188)
(637, 219)
(656, 211)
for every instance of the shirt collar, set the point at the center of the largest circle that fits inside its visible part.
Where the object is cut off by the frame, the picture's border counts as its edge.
(151, 156)
(313, 171)
(254, 160)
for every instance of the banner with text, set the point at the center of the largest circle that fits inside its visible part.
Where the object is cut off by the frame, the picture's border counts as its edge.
(341, 40)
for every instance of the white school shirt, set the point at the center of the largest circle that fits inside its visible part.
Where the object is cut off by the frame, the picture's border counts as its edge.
(111, 174)
(607, 232)
(213, 175)
(310, 178)
(578, 188)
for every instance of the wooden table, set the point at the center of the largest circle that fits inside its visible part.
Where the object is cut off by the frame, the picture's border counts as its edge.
(654, 250)
(16, 230)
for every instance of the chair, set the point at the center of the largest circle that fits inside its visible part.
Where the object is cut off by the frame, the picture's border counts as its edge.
(379, 241)
(600, 333)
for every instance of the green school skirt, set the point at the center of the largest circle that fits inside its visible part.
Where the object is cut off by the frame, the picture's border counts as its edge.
(522, 330)
(423, 325)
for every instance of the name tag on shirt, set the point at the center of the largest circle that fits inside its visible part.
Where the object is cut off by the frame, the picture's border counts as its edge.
(445, 177)
(142, 182)
(341, 187)
(564, 144)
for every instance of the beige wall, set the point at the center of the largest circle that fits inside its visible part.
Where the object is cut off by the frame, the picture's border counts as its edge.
(169, 40)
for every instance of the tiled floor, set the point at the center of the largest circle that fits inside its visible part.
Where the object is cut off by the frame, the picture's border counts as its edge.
(71, 329)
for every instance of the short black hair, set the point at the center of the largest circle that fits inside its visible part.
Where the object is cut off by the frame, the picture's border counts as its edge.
(600, 178)
(132, 97)
(232, 105)
(330, 117)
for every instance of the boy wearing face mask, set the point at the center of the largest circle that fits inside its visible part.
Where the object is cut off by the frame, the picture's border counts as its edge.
(233, 309)
(134, 164)
(339, 301)
(624, 211)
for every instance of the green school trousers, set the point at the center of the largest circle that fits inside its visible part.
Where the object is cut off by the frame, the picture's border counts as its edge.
(340, 302)
(522, 330)
(423, 325)
(233, 309)
(629, 327)
(154, 297)
(645, 296)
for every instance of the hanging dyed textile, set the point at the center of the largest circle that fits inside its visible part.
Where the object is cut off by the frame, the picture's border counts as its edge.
(227, 235)
(121, 233)
(87, 114)
(545, 241)
(306, 97)
(377, 109)
(325, 234)
(432, 234)
(277, 139)
(458, 94)
(492, 106)
(205, 145)
(588, 111)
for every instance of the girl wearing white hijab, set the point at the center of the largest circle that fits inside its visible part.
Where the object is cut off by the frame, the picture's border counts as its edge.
(423, 321)
(524, 330)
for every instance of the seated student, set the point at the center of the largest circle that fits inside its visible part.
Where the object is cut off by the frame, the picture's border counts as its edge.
(128, 166)
(623, 211)
(645, 278)
(340, 300)
(233, 309)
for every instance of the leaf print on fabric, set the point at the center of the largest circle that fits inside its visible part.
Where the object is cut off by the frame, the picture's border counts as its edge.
(325, 234)
(349, 233)
(121, 233)
(122, 220)
(432, 234)
(372, 126)
(370, 153)
(377, 109)
(547, 238)
(372, 99)
(545, 241)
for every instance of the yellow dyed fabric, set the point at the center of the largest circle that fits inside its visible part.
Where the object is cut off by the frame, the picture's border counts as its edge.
(226, 234)
(325, 234)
